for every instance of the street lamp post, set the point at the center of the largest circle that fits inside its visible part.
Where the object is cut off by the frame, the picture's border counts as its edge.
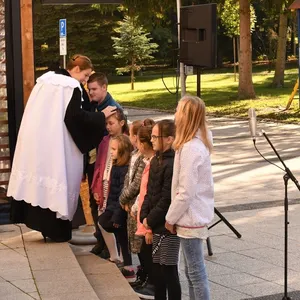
(181, 68)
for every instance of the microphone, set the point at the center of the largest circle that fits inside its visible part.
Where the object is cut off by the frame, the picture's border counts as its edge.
(252, 123)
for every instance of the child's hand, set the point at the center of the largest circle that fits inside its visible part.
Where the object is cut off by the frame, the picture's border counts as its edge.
(149, 238)
(126, 207)
(96, 197)
(170, 227)
(145, 223)
(132, 214)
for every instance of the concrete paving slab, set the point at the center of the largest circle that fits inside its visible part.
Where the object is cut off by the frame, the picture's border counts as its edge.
(14, 242)
(12, 260)
(35, 295)
(234, 280)
(73, 296)
(103, 269)
(219, 292)
(2, 247)
(16, 273)
(239, 262)
(103, 277)
(293, 295)
(56, 288)
(53, 275)
(7, 289)
(25, 285)
(217, 269)
(19, 296)
(230, 243)
(260, 289)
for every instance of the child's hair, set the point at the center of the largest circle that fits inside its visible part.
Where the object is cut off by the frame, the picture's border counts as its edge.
(165, 128)
(135, 126)
(120, 116)
(124, 150)
(190, 117)
(83, 62)
(144, 133)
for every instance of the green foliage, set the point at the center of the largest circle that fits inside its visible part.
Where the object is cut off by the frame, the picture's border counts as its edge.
(133, 45)
(219, 92)
(88, 32)
(230, 16)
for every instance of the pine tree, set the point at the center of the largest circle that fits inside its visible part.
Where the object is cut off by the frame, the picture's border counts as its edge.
(133, 46)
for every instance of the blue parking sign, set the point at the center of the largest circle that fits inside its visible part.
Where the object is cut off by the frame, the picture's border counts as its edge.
(62, 27)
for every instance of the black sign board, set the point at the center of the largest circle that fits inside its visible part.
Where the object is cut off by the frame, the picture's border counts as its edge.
(81, 1)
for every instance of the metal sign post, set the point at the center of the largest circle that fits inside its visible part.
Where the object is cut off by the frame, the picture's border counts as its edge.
(63, 40)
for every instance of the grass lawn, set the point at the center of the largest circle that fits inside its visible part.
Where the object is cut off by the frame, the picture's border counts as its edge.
(218, 90)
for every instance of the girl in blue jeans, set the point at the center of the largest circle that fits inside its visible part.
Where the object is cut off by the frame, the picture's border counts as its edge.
(192, 206)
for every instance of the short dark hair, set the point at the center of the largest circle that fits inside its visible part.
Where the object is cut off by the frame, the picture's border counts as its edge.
(99, 77)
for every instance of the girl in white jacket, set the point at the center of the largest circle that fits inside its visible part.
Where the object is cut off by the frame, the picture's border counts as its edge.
(192, 207)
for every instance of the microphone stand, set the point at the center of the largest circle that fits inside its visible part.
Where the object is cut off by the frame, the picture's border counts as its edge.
(288, 175)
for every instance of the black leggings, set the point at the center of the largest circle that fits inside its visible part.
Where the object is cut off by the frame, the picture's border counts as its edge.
(120, 233)
(166, 279)
(145, 257)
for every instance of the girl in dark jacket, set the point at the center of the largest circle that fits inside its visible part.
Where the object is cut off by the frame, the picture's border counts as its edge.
(114, 218)
(165, 246)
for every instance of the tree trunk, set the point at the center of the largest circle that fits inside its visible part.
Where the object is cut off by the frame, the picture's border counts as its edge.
(278, 80)
(246, 89)
(132, 77)
(234, 57)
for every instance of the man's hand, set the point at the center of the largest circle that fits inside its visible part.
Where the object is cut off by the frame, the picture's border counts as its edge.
(149, 238)
(116, 225)
(109, 110)
(170, 227)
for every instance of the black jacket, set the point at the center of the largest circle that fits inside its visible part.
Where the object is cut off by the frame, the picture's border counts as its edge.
(86, 128)
(158, 197)
(117, 177)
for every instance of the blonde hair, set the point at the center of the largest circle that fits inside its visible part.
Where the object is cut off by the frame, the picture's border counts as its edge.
(190, 118)
(124, 150)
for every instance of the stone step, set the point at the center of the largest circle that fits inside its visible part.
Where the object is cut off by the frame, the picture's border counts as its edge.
(32, 269)
(105, 278)
(55, 270)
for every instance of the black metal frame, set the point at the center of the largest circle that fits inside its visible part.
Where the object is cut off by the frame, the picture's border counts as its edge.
(14, 72)
(222, 219)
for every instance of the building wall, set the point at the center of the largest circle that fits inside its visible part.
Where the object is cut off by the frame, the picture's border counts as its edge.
(4, 140)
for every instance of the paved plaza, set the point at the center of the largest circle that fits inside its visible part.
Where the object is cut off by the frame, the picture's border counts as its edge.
(249, 192)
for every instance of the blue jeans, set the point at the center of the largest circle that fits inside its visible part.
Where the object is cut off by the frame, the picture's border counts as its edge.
(195, 270)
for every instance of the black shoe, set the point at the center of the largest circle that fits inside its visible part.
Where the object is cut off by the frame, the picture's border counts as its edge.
(104, 254)
(98, 248)
(128, 274)
(146, 291)
(140, 279)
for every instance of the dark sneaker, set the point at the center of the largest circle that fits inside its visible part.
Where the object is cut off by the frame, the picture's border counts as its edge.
(97, 249)
(118, 263)
(128, 274)
(140, 278)
(146, 291)
(104, 254)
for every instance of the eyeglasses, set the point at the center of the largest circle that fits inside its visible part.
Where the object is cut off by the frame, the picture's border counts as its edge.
(155, 137)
